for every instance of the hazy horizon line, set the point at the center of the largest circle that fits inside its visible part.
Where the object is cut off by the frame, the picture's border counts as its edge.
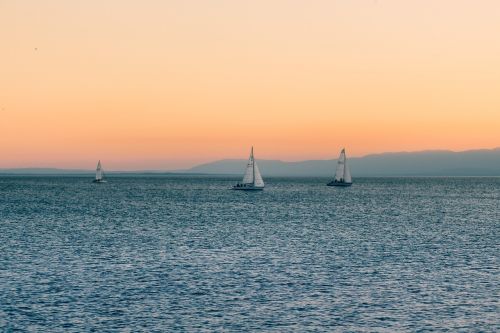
(180, 170)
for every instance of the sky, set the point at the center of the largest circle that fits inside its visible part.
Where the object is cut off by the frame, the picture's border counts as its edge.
(167, 84)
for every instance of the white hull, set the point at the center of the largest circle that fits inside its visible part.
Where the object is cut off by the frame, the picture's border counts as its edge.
(252, 180)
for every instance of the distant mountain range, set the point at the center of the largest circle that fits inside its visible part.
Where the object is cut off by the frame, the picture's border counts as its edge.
(44, 171)
(483, 162)
(69, 172)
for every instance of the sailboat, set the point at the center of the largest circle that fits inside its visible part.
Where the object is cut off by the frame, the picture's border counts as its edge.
(99, 174)
(252, 180)
(343, 173)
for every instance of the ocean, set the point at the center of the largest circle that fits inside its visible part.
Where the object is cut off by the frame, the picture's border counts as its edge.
(186, 254)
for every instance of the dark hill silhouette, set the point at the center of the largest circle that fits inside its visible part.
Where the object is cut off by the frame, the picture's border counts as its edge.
(484, 162)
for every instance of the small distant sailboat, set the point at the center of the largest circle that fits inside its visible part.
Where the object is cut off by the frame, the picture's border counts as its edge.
(343, 173)
(252, 180)
(99, 174)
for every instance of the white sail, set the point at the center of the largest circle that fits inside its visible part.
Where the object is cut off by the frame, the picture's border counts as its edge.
(252, 178)
(258, 182)
(98, 171)
(248, 178)
(339, 173)
(347, 172)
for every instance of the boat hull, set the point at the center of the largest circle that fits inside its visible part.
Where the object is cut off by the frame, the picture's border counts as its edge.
(339, 184)
(98, 181)
(247, 188)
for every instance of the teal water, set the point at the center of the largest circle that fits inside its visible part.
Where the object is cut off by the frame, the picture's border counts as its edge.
(186, 254)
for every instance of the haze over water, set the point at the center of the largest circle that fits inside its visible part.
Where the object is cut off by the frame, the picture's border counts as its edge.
(187, 254)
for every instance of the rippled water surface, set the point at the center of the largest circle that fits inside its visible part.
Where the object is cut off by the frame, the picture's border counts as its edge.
(187, 254)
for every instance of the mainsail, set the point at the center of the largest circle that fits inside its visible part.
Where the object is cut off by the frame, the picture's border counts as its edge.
(98, 172)
(252, 173)
(343, 174)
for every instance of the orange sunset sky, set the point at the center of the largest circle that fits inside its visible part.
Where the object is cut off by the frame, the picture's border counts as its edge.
(169, 84)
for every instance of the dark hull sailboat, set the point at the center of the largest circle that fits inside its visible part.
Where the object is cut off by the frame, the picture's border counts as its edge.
(342, 184)
(343, 173)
